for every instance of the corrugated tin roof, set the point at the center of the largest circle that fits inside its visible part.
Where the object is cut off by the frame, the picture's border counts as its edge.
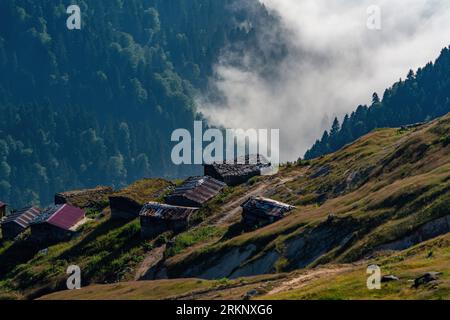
(198, 189)
(265, 206)
(62, 216)
(165, 211)
(23, 217)
(242, 166)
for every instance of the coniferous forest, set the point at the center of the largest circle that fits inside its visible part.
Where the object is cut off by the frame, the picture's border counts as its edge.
(424, 95)
(98, 105)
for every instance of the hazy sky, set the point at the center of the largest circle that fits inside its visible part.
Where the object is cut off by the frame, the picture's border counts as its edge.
(335, 63)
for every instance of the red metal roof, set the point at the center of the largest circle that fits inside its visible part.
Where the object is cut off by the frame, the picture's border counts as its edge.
(2, 204)
(23, 217)
(62, 216)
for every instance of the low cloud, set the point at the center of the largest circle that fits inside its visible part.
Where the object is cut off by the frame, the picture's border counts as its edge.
(334, 63)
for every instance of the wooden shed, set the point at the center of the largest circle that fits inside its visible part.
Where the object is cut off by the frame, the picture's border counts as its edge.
(128, 202)
(157, 218)
(242, 170)
(259, 211)
(18, 221)
(96, 198)
(123, 207)
(195, 191)
(3, 207)
(56, 223)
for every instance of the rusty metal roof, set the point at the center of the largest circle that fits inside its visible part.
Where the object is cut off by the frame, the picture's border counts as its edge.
(242, 166)
(265, 206)
(62, 216)
(198, 189)
(165, 211)
(23, 217)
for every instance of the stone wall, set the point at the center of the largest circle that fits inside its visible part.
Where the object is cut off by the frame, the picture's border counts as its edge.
(124, 208)
(47, 233)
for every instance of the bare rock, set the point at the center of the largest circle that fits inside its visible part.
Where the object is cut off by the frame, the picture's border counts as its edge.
(389, 278)
(250, 294)
(320, 172)
(426, 278)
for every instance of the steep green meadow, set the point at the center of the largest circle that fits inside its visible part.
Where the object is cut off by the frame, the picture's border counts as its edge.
(383, 199)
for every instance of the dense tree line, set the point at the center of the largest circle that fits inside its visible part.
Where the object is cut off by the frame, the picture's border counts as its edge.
(97, 105)
(422, 96)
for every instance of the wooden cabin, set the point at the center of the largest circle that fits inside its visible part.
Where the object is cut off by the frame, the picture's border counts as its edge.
(242, 170)
(56, 224)
(157, 218)
(258, 212)
(123, 207)
(85, 199)
(18, 221)
(126, 204)
(3, 207)
(195, 191)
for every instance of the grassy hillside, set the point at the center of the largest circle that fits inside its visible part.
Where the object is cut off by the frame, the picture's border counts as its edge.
(381, 189)
(332, 282)
(106, 250)
(349, 282)
(384, 199)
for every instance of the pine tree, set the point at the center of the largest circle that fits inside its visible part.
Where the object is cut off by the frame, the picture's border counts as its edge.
(423, 96)
(375, 98)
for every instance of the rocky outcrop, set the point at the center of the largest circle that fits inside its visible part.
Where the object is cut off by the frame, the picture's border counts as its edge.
(320, 172)
(353, 181)
(221, 265)
(263, 265)
(358, 177)
(426, 278)
(389, 278)
(427, 231)
(300, 251)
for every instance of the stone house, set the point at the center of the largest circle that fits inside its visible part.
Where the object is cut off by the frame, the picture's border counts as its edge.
(157, 218)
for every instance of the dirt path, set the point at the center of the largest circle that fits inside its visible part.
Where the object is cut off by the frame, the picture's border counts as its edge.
(228, 292)
(308, 276)
(155, 256)
(230, 210)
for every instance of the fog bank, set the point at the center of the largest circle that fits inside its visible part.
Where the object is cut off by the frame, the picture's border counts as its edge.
(334, 63)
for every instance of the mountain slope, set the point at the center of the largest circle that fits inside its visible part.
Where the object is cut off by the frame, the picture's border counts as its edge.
(386, 192)
(333, 282)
